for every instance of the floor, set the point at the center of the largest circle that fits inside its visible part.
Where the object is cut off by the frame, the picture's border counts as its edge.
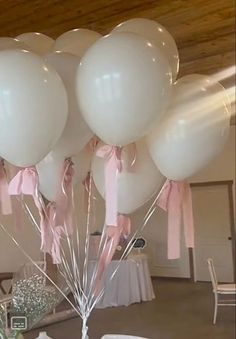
(181, 310)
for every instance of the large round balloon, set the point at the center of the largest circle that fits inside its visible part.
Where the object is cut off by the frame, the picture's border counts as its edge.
(136, 183)
(76, 41)
(33, 107)
(11, 43)
(194, 130)
(76, 133)
(156, 33)
(50, 171)
(123, 87)
(37, 42)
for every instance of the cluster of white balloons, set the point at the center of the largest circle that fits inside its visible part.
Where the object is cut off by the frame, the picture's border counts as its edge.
(56, 95)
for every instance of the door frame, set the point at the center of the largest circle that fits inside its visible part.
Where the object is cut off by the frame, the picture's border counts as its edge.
(229, 184)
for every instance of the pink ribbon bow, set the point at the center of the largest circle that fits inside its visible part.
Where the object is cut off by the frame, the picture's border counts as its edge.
(176, 198)
(113, 236)
(112, 155)
(5, 200)
(26, 182)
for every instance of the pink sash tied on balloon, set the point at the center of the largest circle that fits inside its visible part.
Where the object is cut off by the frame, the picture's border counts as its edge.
(5, 200)
(26, 182)
(64, 205)
(113, 236)
(112, 156)
(176, 198)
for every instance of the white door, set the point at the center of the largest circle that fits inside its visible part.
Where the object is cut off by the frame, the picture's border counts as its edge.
(212, 232)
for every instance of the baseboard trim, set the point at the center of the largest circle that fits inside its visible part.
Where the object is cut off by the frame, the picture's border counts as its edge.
(154, 277)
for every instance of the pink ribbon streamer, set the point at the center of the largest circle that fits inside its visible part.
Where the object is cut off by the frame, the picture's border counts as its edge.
(5, 200)
(26, 182)
(56, 244)
(58, 215)
(64, 198)
(176, 198)
(113, 236)
(53, 234)
(56, 218)
(112, 155)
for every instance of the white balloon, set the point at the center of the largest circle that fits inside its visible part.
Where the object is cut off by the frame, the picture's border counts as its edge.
(33, 107)
(123, 86)
(76, 41)
(156, 33)
(137, 184)
(50, 172)
(37, 42)
(76, 133)
(11, 43)
(194, 130)
(82, 164)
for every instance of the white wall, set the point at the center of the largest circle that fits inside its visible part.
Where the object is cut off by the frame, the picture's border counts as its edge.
(11, 258)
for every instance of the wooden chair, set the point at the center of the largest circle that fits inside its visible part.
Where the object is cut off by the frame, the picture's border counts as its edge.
(220, 289)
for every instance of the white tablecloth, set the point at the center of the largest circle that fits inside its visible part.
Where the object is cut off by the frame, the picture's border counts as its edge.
(130, 284)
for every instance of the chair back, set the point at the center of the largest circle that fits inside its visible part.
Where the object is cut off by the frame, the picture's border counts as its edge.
(120, 336)
(212, 273)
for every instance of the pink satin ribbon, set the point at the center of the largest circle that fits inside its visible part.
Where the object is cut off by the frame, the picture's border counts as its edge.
(176, 198)
(56, 244)
(93, 143)
(86, 184)
(113, 165)
(26, 182)
(58, 219)
(5, 200)
(64, 198)
(52, 233)
(113, 236)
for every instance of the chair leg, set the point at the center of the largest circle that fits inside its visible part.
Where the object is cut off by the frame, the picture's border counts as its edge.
(215, 308)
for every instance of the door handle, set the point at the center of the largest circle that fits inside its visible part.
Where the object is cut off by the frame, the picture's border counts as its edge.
(229, 238)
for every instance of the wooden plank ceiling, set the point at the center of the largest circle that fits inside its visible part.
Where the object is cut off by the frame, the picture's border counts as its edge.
(204, 30)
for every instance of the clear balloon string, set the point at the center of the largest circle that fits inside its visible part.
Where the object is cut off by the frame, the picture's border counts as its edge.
(129, 246)
(38, 267)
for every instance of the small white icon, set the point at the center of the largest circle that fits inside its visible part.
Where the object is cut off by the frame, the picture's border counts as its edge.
(18, 323)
